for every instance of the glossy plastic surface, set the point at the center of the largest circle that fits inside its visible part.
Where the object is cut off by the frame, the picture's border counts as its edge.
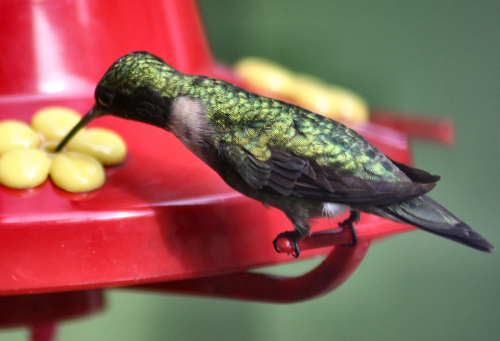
(440, 130)
(64, 47)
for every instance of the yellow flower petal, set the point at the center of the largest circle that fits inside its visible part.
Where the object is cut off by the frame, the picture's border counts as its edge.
(306, 91)
(24, 168)
(264, 74)
(331, 101)
(55, 122)
(104, 145)
(17, 135)
(75, 172)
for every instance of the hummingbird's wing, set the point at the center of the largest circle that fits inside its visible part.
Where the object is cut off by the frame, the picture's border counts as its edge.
(287, 174)
(282, 149)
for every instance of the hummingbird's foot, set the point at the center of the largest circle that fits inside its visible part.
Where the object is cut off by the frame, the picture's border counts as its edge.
(353, 218)
(292, 236)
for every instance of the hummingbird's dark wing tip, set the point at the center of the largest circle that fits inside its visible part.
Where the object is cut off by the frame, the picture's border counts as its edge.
(428, 186)
(430, 216)
(415, 174)
(471, 238)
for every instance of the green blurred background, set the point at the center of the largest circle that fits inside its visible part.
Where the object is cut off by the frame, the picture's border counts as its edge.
(440, 58)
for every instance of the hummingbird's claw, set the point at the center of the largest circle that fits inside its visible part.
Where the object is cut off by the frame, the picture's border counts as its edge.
(292, 237)
(353, 218)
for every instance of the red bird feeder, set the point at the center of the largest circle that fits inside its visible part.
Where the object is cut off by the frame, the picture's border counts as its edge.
(163, 221)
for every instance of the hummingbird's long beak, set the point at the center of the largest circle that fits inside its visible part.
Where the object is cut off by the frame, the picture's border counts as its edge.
(90, 116)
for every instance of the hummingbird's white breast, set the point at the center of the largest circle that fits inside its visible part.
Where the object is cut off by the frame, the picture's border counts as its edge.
(189, 124)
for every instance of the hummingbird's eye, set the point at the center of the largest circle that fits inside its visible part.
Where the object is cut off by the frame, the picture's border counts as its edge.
(105, 99)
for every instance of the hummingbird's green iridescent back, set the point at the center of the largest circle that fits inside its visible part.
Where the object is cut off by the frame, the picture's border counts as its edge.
(256, 123)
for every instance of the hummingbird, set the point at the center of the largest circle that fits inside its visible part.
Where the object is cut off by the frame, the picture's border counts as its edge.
(282, 155)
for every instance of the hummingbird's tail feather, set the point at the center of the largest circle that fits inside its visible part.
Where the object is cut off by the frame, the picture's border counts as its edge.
(428, 215)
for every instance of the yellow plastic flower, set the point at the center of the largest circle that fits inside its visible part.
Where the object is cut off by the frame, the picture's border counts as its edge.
(306, 91)
(26, 158)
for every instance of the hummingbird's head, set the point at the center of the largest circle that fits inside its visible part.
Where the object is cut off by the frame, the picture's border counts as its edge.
(139, 86)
